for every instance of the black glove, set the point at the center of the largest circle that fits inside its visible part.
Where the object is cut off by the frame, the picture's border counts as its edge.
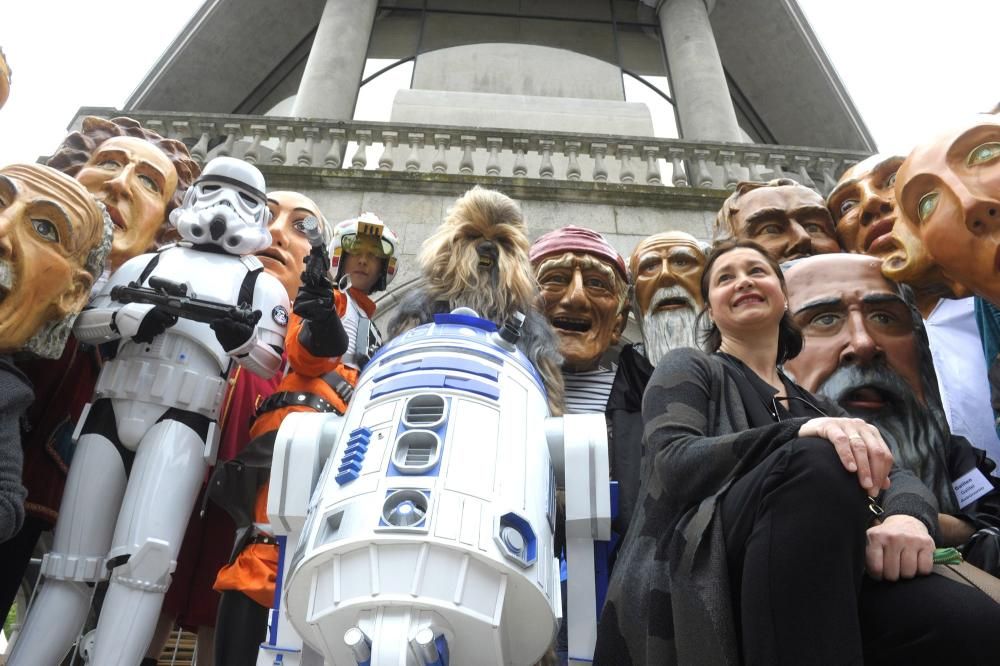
(153, 324)
(231, 334)
(322, 333)
(314, 302)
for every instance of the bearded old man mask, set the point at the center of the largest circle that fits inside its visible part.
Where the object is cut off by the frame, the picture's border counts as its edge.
(787, 219)
(949, 192)
(54, 238)
(666, 270)
(863, 349)
(584, 288)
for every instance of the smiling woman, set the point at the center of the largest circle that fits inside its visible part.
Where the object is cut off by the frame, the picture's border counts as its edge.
(752, 532)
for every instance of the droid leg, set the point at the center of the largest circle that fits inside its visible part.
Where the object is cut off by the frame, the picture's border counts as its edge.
(168, 470)
(93, 495)
(588, 519)
(301, 450)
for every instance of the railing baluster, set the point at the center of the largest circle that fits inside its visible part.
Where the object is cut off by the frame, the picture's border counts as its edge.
(775, 163)
(626, 174)
(572, 164)
(252, 155)
(751, 161)
(545, 168)
(652, 164)
(598, 151)
(385, 163)
(702, 174)
(200, 150)
(416, 140)
(520, 165)
(305, 157)
(360, 159)
(334, 156)
(494, 145)
(826, 166)
(280, 155)
(677, 163)
(803, 162)
(440, 163)
(233, 130)
(466, 165)
(726, 157)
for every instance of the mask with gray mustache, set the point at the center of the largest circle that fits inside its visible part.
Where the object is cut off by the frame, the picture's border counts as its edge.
(663, 330)
(916, 433)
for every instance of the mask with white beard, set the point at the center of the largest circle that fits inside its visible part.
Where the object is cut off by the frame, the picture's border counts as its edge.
(663, 330)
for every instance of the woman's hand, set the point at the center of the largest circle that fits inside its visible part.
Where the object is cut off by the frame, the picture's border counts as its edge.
(899, 548)
(860, 447)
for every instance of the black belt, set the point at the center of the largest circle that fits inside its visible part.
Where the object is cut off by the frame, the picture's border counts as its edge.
(294, 399)
(262, 538)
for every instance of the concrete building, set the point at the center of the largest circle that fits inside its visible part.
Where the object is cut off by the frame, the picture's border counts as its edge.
(531, 97)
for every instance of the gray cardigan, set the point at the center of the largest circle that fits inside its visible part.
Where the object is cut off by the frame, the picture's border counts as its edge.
(669, 599)
(15, 396)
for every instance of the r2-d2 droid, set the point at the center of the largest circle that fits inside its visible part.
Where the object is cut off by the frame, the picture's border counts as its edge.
(427, 536)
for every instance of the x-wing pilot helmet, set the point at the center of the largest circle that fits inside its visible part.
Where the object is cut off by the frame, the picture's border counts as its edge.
(226, 207)
(365, 232)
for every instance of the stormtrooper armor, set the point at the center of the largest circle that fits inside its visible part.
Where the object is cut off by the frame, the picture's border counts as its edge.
(146, 440)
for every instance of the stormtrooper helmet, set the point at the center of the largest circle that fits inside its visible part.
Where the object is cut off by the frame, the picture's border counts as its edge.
(226, 207)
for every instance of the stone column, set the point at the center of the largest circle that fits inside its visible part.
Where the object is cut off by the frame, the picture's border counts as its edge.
(697, 81)
(330, 82)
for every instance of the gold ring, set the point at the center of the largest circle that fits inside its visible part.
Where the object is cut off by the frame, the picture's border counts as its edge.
(854, 437)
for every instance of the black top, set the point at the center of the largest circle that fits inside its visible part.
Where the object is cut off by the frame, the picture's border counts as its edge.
(761, 401)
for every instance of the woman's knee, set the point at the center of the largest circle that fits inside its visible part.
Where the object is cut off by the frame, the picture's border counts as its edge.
(815, 463)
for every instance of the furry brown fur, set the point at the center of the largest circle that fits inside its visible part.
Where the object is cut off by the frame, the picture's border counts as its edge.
(478, 258)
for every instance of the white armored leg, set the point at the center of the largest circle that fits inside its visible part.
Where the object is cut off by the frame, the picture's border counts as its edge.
(166, 475)
(90, 504)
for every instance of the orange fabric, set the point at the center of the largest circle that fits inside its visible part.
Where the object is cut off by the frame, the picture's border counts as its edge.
(255, 568)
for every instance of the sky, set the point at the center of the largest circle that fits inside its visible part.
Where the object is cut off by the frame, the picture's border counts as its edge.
(912, 67)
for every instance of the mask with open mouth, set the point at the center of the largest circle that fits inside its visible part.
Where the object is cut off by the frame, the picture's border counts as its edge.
(916, 433)
(670, 322)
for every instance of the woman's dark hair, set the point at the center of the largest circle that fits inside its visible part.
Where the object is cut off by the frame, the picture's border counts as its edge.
(789, 333)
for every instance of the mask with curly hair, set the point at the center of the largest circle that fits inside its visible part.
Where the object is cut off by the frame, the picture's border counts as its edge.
(478, 258)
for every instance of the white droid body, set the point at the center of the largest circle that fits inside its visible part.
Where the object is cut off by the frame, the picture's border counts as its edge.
(429, 536)
(146, 440)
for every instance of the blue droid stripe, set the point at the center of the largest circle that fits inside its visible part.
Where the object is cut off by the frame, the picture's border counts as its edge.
(438, 363)
(433, 380)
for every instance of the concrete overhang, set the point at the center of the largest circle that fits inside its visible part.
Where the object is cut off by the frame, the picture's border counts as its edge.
(233, 52)
(225, 53)
(773, 57)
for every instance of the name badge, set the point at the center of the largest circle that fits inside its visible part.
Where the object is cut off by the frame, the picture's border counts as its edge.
(971, 486)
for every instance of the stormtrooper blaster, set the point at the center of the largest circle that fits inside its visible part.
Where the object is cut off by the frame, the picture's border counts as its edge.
(172, 297)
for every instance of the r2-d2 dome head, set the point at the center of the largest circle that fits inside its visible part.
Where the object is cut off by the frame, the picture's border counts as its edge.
(227, 207)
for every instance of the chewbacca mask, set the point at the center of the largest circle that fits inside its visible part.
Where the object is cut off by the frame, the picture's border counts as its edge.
(478, 258)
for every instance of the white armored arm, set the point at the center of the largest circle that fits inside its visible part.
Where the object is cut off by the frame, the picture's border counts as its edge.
(261, 354)
(105, 319)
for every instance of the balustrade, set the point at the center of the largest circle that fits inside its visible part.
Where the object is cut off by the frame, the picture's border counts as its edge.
(549, 156)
